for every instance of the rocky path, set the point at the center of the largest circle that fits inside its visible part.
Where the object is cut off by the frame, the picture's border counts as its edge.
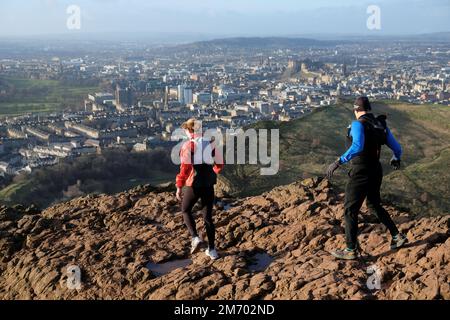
(274, 246)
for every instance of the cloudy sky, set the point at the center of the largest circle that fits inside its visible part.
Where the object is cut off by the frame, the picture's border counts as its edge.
(224, 17)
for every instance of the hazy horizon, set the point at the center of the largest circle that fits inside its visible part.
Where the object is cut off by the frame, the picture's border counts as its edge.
(212, 19)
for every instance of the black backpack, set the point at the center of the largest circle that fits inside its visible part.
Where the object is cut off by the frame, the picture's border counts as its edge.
(204, 175)
(375, 132)
(375, 128)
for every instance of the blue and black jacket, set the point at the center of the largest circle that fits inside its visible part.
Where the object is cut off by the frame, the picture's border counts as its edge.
(367, 135)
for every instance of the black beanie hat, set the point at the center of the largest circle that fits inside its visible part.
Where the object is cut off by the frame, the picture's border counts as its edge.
(362, 104)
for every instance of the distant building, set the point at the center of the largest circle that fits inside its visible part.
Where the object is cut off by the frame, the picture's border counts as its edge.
(188, 96)
(140, 147)
(261, 106)
(40, 134)
(185, 95)
(7, 169)
(284, 117)
(102, 101)
(14, 133)
(101, 97)
(124, 98)
(202, 98)
(93, 143)
(63, 150)
(339, 90)
(84, 130)
(16, 143)
(166, 96)
(181, 89)
(294, 66)
(344, 70)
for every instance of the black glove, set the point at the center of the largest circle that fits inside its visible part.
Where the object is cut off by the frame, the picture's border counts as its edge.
(332, 168)
(395, 163)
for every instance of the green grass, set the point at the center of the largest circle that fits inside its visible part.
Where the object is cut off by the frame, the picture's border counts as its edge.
(17, 109)
(425, 185)
(18, 192)
(310, 144)
(42, 96)
(14, 191)
(23, 83)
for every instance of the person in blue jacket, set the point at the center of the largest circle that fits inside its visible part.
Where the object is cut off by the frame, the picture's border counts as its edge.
(367, 134)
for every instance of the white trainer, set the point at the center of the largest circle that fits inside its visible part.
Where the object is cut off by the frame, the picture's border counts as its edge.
(212, 254)
(195, 244)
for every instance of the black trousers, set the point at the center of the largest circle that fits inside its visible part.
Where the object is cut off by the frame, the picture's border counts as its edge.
(364, 183)
(190, 197)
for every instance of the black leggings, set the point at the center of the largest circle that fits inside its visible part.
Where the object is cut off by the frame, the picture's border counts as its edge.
(364, 183)
(190, 197)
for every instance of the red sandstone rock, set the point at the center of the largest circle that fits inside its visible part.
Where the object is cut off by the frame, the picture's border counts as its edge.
(112, 238)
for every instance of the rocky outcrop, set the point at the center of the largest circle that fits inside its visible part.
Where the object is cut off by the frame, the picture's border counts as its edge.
(273, 246)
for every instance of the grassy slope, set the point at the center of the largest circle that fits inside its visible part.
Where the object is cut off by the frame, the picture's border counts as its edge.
(51, 96)
(14, 192)
(424, 186)
(20, 192)
(308, 145)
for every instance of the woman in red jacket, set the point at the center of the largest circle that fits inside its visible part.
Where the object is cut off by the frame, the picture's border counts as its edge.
(198, 175)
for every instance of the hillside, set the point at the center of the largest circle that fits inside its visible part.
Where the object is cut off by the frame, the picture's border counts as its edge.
(308, 145)
(110, 172)
(241, 44)
(275, 246)
(263, 42)
(34, 95)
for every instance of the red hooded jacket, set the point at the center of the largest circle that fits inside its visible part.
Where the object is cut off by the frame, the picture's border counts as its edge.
(187, 173)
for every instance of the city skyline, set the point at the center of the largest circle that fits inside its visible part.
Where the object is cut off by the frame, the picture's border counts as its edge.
(224, 18)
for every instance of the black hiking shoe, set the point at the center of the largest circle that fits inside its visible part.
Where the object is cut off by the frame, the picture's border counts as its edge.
(347, 254)
(398, 241)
